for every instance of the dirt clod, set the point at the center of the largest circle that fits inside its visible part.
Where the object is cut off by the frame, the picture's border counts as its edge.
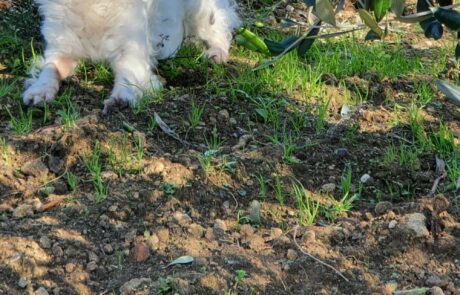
(383, 207)
(23, 282)
(415, 224)
(436, 291)
(141, 252)
(23, 210)
(131, 287)
(45, 242)
(41, 291)
(35, 168)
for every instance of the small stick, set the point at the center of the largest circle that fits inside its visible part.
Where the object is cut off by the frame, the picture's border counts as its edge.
(436, 183)
(316, 259)
(51, 204)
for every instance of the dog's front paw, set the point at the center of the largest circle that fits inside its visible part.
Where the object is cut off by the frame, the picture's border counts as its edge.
(37, 91)
(217, 55)
(121, 97)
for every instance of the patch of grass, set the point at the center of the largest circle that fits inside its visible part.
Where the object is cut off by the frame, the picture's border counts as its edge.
(94, 166)
(72, 180)
(169, 189)
(424, 93)
(6, 88)
(416, 126)
(390, 155)
(408, 157)
(22, 122)
(307, 209)
(194, 117)
(443, 140)
(278, 190)
(68, 114)
(321, 115)
(214, 143)
(289, 147)
(262, 186)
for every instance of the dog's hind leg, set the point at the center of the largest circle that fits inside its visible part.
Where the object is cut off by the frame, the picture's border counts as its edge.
(45, 87)
(213, 22)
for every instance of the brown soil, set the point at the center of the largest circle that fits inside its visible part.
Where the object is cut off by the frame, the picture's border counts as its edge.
(167, 206)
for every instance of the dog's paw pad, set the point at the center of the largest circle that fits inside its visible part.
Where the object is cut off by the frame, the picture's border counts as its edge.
(217, 55)
(39, 92)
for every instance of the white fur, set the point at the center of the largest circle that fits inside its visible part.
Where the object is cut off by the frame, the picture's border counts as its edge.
(131, 35)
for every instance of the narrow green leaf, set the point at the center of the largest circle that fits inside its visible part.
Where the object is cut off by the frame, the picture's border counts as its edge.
(380, 8)
(370, 21)
(325, 12)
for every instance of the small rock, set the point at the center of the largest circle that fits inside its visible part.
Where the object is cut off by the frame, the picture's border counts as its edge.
(341, 152)
(23, 210)
(292, 254)
(23, 282)
(60, 187)
(93, 257)
(108, 249)
(392, 224)
(223, 115)
(415, 223)
(34, 168)
(182, 219)
(365, 178)
(383, 207)
(70, 267)
(196, 230)
(246, 230)
(308, 237)
(433, 280)
(436, 291)
(45, 242)
(389, 288)
(141, 252)
(35, 203)
(57, 250)
(220, 226)
(55, 164)
(134, 285)
(328, 187)
(41, 291)
(232, 121)
(91, 266)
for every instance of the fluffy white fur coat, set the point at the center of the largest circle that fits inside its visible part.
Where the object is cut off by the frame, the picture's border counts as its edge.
(131, 34)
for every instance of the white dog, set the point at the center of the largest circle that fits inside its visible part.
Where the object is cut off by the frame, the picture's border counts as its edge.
(131, 34)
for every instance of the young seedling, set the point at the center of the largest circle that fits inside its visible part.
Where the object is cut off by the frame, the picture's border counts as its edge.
(321, 115)
(262, 187)
(307, 209)
(390, 155)
(22, 123)
(69, 115)
(94, 167)
(278, 191)
(194, 117)
(71, 180)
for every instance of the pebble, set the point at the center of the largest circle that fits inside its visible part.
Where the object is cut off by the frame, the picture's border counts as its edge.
(436, 291)
(182, 219)
(93, 257)
(328, 187)
(415, 223)
(383, 207)
(134, 285)
(45, 242)
(23, 210)
(365, 178)
(57, 251)
(223, 115)
(141, 252)
(392, 224)
(309, 237)
(108, 249)
(41, 291)
(55, 163)
(70, 267)
(341, 152)
(92, 266)
(292, 254)
(219, 225)
(433, 280)
(232, 121)
(23, 282)
(290, 8)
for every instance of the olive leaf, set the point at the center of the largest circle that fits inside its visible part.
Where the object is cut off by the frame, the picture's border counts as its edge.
(370, 21)
(325, 12)
(380, 8)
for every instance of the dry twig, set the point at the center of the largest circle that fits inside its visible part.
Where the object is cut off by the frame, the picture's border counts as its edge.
(318, 260)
